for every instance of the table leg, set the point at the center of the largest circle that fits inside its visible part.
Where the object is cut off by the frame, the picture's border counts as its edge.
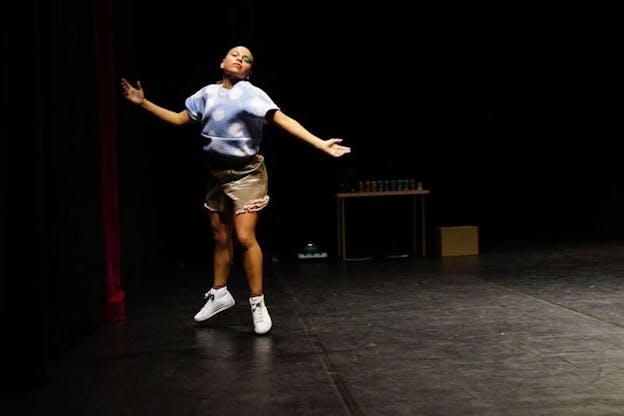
(415, 227)
(423, 227)
(419, 228)
(341, 235)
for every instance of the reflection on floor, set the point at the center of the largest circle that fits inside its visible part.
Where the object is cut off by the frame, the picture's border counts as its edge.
(523, 331)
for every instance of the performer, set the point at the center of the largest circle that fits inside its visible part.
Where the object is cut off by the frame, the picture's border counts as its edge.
(232, 114)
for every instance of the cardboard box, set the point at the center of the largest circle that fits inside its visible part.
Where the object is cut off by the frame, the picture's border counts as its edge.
(460, 240)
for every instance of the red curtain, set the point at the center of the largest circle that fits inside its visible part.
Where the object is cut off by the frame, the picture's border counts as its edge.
(107, 131)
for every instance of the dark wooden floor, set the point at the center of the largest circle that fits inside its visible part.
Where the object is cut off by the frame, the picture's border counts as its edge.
(534, 330)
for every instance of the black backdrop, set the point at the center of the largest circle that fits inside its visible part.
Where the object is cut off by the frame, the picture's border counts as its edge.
(508, 115)
(504, 114)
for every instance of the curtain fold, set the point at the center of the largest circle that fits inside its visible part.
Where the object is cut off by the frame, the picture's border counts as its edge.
(107, 133)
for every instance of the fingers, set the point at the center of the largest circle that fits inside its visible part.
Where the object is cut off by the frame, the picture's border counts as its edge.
(334, 143)
(338, 151)
(126, 84)
(335, 149)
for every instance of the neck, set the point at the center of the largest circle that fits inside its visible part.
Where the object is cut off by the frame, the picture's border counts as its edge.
(229, 82)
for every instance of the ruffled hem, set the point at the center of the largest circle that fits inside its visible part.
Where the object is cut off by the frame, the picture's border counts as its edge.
(254, 206)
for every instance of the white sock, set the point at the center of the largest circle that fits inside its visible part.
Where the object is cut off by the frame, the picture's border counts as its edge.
(256, 299)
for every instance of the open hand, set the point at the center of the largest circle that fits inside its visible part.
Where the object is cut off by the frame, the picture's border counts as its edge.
(133, 94)
(334, 148)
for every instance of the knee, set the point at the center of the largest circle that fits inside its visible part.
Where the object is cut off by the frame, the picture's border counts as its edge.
(221, 238)
(246, 240)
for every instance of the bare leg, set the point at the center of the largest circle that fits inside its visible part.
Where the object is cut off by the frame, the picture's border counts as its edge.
(218, 298)
(223, 252)
(245, 226)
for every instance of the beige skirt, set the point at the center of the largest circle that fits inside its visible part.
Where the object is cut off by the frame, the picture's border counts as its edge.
(238, 189)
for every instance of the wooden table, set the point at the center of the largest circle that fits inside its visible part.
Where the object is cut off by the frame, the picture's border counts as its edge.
(418, 219)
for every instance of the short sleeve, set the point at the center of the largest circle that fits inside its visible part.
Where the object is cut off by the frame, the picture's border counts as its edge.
(196, 103)
(259, 103)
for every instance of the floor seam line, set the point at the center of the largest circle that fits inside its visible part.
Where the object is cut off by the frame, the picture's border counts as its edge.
(547, 302)
(343, 392)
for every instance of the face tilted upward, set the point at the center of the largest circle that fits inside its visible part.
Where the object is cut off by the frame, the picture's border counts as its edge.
(238, 62)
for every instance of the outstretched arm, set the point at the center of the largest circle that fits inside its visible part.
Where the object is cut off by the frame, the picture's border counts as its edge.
(292, 126)
(137, 96)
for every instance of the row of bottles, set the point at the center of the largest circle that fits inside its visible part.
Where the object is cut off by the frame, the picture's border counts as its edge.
(386, 185)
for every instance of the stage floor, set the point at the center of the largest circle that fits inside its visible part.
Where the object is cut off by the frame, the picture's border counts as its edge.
(534, 330)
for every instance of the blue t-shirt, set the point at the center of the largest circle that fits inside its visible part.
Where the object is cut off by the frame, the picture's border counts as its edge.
(231, 120)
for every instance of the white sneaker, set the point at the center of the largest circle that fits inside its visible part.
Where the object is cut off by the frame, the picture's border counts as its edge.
(217, 300)
(261, 318)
